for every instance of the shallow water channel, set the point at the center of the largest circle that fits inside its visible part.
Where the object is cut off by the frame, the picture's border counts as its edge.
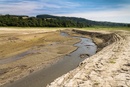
(86, 48)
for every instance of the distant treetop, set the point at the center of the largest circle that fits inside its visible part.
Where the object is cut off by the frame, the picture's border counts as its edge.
(46, 20)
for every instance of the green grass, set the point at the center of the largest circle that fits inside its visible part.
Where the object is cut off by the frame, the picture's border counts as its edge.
(58, 28)
(113, 61)
(107, 28)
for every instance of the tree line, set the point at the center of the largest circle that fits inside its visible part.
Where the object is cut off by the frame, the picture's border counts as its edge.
(51, 21)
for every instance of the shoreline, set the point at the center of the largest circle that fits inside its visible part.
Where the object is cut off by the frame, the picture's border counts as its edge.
(109, 67)
(53, 61)
(42, 65)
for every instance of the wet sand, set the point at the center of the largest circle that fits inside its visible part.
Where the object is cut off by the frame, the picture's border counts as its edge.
(67, 63)
(46, 49)
(110, 67)
(44, 44)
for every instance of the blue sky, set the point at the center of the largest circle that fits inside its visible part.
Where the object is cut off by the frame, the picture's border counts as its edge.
(99, 10)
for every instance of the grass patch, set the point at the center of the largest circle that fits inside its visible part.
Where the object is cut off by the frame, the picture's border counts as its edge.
(112, 61)
(107, 28)
(62, 28)
(96, 83)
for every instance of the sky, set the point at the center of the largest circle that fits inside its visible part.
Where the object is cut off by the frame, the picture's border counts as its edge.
(98, 10)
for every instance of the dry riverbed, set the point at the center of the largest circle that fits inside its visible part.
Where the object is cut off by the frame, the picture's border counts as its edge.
(47, 47)
(110, 67)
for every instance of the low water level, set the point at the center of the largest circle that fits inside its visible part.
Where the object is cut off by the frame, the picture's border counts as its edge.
(66, 64)
(14, 58)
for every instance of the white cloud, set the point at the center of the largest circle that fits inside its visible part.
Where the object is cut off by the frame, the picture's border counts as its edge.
(59, 4)
(28, 7)
(21, 8)
(46, 5)
(115, 15)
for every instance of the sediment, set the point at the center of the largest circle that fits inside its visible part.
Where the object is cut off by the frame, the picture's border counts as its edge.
(100, 39)
(109, 67)
(39, 44)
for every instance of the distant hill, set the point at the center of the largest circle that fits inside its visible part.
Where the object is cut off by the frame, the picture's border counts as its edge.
(83, 21)
(53, 21)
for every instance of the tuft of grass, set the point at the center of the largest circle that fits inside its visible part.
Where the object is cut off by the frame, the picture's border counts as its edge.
(96, 83)
(112, 61)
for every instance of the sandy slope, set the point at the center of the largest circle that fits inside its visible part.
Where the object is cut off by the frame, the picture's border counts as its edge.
(108, 68)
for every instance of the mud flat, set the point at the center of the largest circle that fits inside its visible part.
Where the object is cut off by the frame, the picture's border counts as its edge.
(42, 48)
(110, 67)
(106, 68)
(24, 52)
(85, 49)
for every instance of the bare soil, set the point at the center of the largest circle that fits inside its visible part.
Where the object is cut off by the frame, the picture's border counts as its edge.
(47, 46)
(110, 67)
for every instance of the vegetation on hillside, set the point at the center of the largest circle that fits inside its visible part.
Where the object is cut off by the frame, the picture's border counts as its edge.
(52, 21)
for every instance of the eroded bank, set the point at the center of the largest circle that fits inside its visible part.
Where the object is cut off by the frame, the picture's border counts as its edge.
(102, 40)
(108, 68)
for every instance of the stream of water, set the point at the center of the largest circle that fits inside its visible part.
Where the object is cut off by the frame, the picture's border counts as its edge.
(86, 48)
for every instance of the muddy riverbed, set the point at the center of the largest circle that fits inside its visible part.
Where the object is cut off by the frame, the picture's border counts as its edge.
(108, 68)
(85, 49)
(44, 59)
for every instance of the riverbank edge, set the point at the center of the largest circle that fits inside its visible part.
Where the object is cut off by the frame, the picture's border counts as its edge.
(38, 67)
(92, 35)
(88, 71)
